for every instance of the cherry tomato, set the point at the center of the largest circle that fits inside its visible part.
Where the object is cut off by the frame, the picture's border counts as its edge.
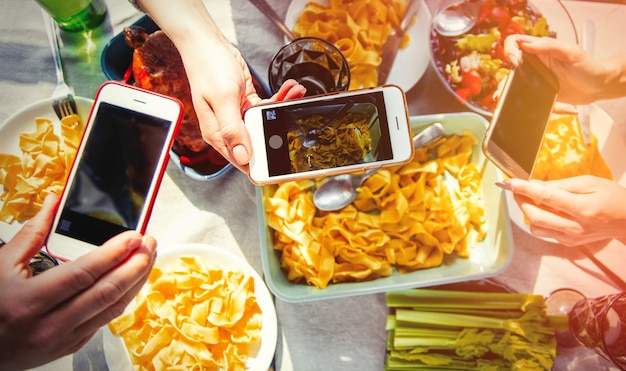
(488, 102)
(464, 93)
(483, 12)
(471, 80)
(511, 29)
(500, 15)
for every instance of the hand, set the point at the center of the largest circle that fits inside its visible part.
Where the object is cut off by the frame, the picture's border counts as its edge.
(221, 84)
(573, 211)
(222, 90)
(582, 78)
(53, 314)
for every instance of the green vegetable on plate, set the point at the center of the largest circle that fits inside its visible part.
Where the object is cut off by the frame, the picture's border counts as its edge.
(460, 330)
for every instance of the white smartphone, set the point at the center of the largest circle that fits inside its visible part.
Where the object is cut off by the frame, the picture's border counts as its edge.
(516, 131)
(329, 134)
(117, 170)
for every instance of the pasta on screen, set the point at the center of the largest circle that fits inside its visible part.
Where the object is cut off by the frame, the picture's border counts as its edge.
(359, 28)
(405, 218)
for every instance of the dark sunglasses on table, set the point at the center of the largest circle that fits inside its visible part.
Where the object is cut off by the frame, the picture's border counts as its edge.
(40, 262)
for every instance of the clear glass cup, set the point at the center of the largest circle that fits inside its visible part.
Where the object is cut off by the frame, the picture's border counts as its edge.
(75, 15)
(315, 63)
(597, 323)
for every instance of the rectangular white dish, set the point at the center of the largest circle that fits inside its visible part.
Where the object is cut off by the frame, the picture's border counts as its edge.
(487, 258)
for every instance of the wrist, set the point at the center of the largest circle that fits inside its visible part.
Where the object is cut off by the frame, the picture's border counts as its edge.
(614, 77)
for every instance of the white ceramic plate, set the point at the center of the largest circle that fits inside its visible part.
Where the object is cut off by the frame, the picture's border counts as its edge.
(487, 259)
(261, 357)
(23, 121)
(410, 63)
(612, 148)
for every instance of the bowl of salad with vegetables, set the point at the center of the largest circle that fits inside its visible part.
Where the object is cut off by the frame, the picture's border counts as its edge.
(473, 64)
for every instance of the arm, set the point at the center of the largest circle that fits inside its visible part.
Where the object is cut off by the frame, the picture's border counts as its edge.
(583, 78)
(53, 314)
(573, 211)
(220, 81)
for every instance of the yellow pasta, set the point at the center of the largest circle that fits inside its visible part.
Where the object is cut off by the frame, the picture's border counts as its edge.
(192, 317)
(405, 218)
(564, 154)
(359, 28)
(42, 168)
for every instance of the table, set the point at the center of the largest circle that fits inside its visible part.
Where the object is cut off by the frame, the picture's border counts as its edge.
(335, 334)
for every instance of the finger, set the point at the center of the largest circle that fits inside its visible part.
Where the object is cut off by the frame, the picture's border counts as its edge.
(512, 47)
(564, 108)
(32, 236)
(108, 296)
(114, 310)
(553, 195)
(284, 89)
(69, 279)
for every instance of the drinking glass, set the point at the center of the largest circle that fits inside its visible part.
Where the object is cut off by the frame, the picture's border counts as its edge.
(315, 63)
(597, 323)
(75, 15)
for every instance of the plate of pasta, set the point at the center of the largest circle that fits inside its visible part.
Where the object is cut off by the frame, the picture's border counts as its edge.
(360, 35)
(202, 307)
(36, 152)
(439, 219)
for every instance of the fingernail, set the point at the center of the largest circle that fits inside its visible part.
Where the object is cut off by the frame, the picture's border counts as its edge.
(505, 186)
(240, 154)
(513, 59)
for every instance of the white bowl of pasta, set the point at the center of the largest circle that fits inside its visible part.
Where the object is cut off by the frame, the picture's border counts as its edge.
(379, 243)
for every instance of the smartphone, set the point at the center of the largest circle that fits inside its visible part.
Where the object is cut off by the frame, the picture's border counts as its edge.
(519, 121)
(117, 170)
(329, 134)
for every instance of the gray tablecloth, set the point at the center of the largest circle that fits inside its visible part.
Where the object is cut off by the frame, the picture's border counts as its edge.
(335, 334)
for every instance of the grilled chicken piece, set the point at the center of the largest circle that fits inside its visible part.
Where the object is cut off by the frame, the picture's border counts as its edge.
(157, 66)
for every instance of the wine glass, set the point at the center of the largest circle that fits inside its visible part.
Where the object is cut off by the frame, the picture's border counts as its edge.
(597, 323)
(315, 63)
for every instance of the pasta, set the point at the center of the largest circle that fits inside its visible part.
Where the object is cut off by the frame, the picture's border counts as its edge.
(405, 218)
(359, 28)
(42, 168)
(192, 317)
(564, 154)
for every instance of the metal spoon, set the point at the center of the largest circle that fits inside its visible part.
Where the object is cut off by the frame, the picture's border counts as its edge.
(457, 18)
(340, 190)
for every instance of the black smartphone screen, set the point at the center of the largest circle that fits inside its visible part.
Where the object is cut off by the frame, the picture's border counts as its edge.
(525, 113)
(114, 175)
(326, 134)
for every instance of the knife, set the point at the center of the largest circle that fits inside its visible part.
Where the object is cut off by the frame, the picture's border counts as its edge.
(390, 50)
(584, 116)
(266, 9)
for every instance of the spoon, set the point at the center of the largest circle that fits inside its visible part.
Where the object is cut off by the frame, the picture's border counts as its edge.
(340, 190)
(457, 18)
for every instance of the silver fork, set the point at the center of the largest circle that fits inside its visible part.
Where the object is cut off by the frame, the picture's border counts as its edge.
(63, 96)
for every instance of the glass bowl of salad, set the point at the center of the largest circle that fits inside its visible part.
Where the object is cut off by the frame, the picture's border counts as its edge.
(472, 65)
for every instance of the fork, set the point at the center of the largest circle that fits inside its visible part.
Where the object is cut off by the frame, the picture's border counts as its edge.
(63, 96)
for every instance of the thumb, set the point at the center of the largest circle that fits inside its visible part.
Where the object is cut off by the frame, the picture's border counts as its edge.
(32, 236)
